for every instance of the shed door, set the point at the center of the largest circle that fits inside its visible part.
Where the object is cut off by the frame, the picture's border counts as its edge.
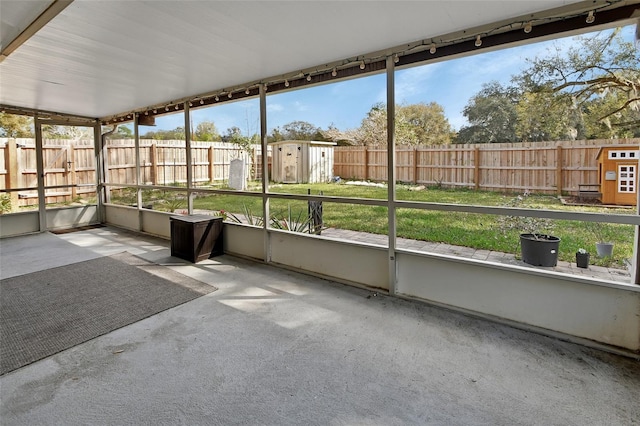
(626, 184)
(290, 163)
(627, 178)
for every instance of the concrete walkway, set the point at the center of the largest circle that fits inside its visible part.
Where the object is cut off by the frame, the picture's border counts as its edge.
(273, 347)
(599, 272)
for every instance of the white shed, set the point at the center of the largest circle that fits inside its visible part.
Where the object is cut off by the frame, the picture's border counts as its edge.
(302, 161)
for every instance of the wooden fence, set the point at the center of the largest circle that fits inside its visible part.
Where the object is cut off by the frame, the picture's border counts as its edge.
(543, 167)
(71, 163)
(64, 164)
(165, 162)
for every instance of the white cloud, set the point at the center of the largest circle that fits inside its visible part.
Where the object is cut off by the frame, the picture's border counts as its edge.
(414, 81)
(299, 106)
(275, 108)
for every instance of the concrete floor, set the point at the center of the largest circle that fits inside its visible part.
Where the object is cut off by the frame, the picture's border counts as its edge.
(273, 347)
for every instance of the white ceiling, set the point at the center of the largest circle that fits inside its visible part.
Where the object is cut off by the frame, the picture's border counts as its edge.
(100, 58)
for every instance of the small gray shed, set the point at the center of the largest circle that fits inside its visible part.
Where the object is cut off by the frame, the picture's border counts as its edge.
(302, 161)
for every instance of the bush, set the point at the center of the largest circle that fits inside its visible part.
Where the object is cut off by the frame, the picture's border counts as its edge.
(5, 203)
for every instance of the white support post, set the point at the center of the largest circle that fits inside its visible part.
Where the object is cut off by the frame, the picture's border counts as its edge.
(42, 200)
(99, 161)
(391, 172)
(136, 138)
(187, 136)
(265, 173)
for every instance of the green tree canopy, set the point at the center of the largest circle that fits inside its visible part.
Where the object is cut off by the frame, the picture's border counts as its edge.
(427, 122)
(587, 91)
(601, 75)
(122, 132)
(15, 126)
(491, 114)
(234, 135)
(416, 124)
(206, 131)
(174, 134)
(296, 130)
(543, 117)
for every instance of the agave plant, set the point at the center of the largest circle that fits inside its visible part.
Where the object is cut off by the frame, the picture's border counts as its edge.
(291, 222)
(248, 217)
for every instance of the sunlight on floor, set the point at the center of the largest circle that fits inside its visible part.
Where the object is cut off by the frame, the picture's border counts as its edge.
(281, 311)
(288, 287)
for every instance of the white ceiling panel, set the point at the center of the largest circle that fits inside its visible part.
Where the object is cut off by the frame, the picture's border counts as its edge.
(16, 15)
(99, 58)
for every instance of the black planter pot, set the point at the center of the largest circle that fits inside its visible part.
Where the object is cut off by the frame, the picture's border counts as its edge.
(582, 260)
(539, 249)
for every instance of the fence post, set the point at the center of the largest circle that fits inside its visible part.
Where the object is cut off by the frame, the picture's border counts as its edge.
(153, 152)
(71, 170)
(366, 163)
(476, 168)
(415, 165)
(254, 163)
(559, 169)
(11, 178)
(210, 158)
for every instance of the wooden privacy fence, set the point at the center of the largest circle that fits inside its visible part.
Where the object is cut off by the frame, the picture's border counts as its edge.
(543, 167)
(165, 162)
(65, 164)
(69, 163)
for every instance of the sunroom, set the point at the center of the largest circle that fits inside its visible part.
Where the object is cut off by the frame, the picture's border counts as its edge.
(102, 66)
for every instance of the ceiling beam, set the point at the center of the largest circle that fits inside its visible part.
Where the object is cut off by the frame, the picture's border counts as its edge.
(43, 19)
(542, 31)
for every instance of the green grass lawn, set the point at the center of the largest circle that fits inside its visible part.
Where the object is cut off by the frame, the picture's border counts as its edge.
(464, 229)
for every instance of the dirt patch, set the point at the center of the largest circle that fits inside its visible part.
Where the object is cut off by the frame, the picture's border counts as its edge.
(571, 200)
(579, 201)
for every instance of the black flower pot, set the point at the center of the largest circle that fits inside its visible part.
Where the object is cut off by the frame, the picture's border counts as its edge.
(582, 260)
(539, 249)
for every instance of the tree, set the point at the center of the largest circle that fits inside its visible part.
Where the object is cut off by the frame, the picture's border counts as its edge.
(491, 114)
(373, 129)
(66, 132)
(234, 135)
(416, 124)
(623, 123)
(427, 122)
(341, 137)
(122, 132)
(206, 131)
(297, 131)
(544, 116)
(601, 74)
(174, 134)
(245, 143)
(15, 126)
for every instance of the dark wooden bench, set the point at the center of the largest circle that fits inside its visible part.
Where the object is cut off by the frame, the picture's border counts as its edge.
(589, 191)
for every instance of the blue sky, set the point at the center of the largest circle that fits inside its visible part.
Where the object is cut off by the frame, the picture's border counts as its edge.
(344, 104)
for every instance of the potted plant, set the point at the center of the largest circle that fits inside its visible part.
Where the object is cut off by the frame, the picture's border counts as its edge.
(537, 246)
(604, 247)
(582, 258)
(539, 249)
